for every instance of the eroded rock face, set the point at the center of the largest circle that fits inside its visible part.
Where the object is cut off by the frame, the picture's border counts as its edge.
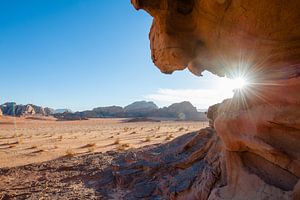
(14, 109)
(260, 126)
(216, 35)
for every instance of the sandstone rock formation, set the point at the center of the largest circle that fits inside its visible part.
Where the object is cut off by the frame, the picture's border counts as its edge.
(140, 109)
(68, 116)
(24, 110)
(62, 110)
(184, 110)
(14, 109)
(38, 110)
(49, 111)
(180, 111)
(8, 108)
(259, 128)
(109, 111)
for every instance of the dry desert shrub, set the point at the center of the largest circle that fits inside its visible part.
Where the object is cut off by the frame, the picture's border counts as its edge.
(90, 145)
(39, 151)
(60, 138)
(122, 147)
(158, 136)
(126, 145)
(148, 139)
(92, 148)
(181, 129)
(70, 152)
(117, 141)
(126, 129)
(169, 137)
(132, 133)
(19, 141)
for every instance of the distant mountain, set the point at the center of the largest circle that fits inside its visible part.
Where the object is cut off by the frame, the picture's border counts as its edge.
(140, 109)
(202, 110)
(141, 106)
(49, 111)
(13, 109)
(62, 110)
(181, 111)
(68, 116)
(110, 111)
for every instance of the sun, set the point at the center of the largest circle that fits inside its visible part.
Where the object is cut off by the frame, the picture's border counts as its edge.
(239, 83)
(231, 84)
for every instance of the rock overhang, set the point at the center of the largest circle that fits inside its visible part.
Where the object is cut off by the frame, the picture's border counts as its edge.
(225, 36)
(259, 126)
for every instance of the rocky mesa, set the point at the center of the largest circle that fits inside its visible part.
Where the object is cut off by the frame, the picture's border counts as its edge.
(139, 109)
(14, 109)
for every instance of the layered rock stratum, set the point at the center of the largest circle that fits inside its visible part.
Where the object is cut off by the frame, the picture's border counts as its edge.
(259, 128)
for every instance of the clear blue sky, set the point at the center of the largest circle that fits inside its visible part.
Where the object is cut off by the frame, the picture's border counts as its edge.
(82, 54)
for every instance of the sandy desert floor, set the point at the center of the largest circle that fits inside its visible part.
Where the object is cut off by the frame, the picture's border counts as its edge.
(25, 141)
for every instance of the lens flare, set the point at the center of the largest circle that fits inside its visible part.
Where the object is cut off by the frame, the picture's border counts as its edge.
(233, 84)
(239, 83)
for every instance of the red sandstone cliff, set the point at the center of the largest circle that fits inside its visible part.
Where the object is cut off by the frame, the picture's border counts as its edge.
(258, 130)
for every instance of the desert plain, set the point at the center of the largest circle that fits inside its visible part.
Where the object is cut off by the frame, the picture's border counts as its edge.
(30, 140)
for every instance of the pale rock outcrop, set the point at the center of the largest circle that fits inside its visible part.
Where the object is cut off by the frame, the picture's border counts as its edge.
(38, 110)
(259, 128)
(24, 110)
(141, 106)
(17, 110)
